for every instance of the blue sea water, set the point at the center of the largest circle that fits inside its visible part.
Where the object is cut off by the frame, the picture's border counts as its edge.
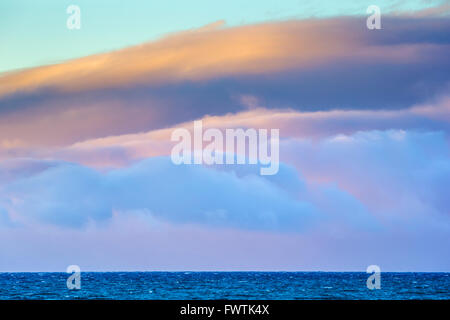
(224, 285)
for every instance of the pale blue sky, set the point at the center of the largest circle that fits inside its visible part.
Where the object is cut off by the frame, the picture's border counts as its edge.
(34, 32)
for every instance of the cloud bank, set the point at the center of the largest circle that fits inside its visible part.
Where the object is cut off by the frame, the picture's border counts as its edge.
(308, 65)
(364, 123)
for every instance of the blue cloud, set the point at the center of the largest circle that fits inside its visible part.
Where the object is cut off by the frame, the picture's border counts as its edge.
(72, 195)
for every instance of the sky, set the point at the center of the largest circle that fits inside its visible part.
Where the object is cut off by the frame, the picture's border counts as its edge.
(86, 118)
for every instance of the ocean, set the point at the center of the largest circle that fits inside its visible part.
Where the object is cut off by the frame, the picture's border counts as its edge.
(224, 285)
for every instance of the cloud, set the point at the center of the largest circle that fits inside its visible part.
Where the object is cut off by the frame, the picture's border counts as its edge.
(439, 110)
(401, 175)
(310, 65)
(337, 203)
(72, 195)
(210, 52)
(123, 149)
(388, 177)
(198, 54)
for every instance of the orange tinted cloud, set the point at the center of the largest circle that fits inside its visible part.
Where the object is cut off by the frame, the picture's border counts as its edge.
(208, 52)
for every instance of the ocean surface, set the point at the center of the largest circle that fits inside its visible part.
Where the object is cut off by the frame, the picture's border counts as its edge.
(224, 285)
